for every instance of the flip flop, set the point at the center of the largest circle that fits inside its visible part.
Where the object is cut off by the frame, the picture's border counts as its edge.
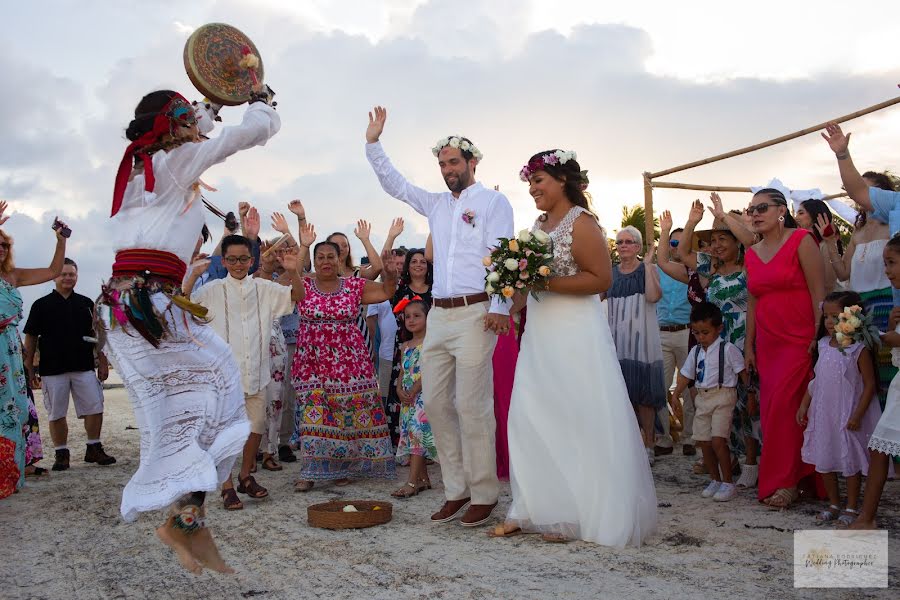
(500, 532)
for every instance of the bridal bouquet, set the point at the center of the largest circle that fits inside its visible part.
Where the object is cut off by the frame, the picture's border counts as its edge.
(855, 326)
(518, 264)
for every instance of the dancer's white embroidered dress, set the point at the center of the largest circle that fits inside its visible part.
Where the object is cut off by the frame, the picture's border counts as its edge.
(187, 395)
(578, 465)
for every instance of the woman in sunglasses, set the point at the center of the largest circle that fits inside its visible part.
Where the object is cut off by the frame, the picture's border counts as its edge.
(785, 277)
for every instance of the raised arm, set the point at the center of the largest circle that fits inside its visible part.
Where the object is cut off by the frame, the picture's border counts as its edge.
(688, 257)
(675, 270)
(379, 291)
(189, 161)
(840, 264)
(26, 277)
(393, 233)
(372, 270)
(652, 287)
(854, 184)
(296, 207)
(390, 178)
(746, 237)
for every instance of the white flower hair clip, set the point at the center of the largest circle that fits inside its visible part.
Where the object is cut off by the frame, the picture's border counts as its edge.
(559, 157)
(458, 141)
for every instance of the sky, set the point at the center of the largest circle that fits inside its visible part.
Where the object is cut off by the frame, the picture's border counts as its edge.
(631, 87)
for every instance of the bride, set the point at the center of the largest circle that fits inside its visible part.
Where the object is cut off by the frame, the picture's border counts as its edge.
(578, 466)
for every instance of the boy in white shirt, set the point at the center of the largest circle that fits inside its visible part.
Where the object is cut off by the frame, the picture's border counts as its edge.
(714, 365)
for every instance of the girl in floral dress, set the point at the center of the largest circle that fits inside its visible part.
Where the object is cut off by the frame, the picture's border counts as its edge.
(416, 439)
(341, 426)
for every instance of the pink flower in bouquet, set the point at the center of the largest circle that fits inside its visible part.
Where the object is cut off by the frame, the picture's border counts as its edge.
(524, 275)
(528, 252)
(486, 261)
(520, 284)
(523, 264)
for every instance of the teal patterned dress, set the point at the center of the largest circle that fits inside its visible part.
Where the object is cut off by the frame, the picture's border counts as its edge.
(13, 393)
(416, 438)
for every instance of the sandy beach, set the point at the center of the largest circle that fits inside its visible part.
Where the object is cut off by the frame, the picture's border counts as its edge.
(65, 539)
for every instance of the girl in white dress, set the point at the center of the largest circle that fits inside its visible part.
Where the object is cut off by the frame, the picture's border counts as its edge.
(578, 467)
(182, 379)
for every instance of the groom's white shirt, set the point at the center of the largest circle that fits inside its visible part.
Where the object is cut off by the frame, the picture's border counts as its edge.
(458, 246)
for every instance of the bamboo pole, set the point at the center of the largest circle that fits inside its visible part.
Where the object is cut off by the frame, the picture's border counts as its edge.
(719, 188)
(777, 140)
(648, 210)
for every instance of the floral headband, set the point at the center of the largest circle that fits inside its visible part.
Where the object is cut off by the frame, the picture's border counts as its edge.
(458, 141)
(560, 157)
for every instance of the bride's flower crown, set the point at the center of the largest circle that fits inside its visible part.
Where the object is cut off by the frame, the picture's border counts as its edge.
(560, 157)
(458, 141)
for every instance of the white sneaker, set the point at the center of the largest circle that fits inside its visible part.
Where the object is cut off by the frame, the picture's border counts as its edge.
(749, 475)
(651, 456)
(726, 492)
(711, 489)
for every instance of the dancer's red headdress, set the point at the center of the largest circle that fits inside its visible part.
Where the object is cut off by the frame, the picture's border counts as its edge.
(177, 112)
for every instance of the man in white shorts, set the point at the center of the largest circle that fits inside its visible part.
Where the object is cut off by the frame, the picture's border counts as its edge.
(61, 326)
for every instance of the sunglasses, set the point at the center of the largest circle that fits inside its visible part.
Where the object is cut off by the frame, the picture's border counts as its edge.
(233, 260)
(673, 243)
(5, 245)
(626, 243)
(762, 208)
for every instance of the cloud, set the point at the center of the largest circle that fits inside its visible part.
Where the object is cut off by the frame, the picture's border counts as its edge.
(482, 71)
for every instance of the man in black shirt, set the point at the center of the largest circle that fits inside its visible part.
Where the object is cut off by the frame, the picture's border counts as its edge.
(61, 326)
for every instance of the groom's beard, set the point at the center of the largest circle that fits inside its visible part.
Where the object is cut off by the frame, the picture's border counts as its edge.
(463, 181)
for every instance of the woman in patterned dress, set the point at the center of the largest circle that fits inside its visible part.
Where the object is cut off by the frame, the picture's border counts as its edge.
(341, 427)
(14, 404)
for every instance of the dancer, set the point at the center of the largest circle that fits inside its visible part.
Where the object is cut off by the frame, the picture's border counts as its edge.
(182, 379)
(456, 356)
(569, 401)
(838, 411)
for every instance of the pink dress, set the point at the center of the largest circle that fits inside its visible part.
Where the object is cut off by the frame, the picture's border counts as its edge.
(785, 327)
(504, 361)
(835, 391)
(340, 418)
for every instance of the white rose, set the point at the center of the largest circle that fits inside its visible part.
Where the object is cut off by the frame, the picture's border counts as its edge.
(454, 142)
(464, 145)
(541, 236)
(838, 336)
(494, 277)
(442, 142)
(489, 289)
(854, 322)
(525, 236)
(511, 264)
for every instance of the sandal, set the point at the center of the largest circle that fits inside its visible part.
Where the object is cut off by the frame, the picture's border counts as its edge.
(303, 485)
(343, 482)
(269, 463)
(847, 517)
(555, 538)
(500, 532)
(249, 486)
(829, 514)
(407, 491)
(423, 484)
(782, 498)
(36, 471)
(231, 500)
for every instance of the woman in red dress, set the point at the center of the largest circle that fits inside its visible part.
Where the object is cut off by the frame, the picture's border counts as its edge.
(785, 277)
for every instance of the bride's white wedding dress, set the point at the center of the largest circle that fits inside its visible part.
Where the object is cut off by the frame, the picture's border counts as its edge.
(578, 465)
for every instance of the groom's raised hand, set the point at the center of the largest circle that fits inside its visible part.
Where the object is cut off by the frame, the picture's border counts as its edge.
(376, 124)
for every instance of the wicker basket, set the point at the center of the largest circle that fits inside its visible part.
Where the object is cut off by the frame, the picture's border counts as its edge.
(331, 515)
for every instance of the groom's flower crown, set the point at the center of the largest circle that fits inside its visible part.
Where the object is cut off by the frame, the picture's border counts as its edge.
(458, 141)
(560, 157)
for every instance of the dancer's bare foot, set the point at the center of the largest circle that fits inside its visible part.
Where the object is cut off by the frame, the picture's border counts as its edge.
(178, 541)
(861, 523)
(203, 548)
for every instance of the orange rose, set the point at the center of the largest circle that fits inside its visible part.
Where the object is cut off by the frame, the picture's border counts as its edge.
(508, 292)
(513, 246)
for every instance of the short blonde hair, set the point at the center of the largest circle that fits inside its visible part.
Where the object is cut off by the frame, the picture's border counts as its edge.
(635, 234)
(8, 265)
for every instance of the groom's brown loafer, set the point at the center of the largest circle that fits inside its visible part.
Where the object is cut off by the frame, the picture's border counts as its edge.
(478, 514)
(450, 511)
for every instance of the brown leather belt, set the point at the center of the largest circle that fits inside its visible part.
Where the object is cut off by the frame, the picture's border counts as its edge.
(671, 328)
(460, 300)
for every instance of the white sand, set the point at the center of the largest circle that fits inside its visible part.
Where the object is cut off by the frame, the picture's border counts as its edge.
(64, 538)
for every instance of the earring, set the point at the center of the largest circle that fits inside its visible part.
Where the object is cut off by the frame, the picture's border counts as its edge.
(781, 219)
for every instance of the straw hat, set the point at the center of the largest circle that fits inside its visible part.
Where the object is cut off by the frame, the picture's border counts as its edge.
(706, 234)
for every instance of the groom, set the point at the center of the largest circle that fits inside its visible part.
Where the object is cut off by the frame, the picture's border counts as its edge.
(457, 374)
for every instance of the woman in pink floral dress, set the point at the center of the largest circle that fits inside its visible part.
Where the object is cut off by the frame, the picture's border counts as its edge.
(340, 418)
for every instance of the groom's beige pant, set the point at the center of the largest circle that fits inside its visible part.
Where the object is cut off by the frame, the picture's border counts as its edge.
(458, 392)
